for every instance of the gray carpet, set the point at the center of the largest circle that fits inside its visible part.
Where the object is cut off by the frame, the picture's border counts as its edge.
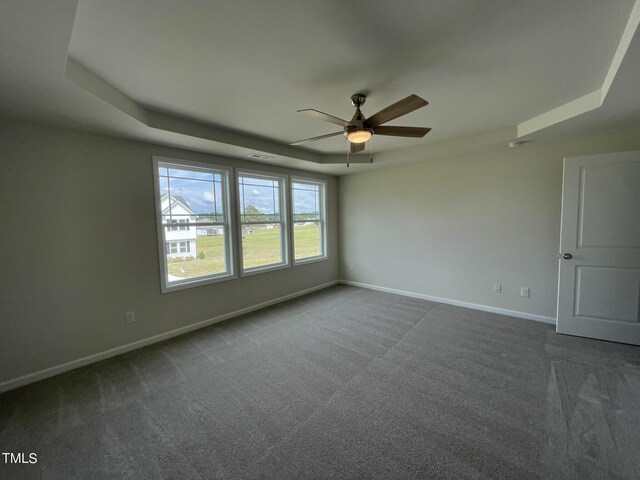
(343, 383)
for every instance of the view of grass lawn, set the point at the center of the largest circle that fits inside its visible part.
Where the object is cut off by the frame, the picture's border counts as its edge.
(213, 261)
(306, 241)
(260, 247)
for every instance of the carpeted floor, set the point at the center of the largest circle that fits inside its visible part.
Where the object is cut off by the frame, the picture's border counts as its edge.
(344, 383)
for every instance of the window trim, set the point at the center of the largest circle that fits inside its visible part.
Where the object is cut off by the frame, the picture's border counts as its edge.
(285, 242)
(229, 224)
(323, 220)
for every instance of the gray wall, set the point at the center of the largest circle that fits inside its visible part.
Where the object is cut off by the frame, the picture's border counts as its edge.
(452, 228)
(79, 248)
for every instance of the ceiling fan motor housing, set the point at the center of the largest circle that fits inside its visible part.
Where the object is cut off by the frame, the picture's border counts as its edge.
(357, 122)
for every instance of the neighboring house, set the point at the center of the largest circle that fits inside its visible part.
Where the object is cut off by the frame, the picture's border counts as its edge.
(180, 236)
(208, 230)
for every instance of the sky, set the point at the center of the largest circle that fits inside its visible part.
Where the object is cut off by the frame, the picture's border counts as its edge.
(203, 192)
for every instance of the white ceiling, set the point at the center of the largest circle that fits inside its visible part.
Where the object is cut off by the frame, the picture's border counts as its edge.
(194, 74)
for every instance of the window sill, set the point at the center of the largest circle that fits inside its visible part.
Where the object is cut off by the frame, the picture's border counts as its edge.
(265, 269)
(304, 261)
(196, 282)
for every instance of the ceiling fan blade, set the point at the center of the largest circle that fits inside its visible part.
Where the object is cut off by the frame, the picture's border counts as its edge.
(316, 138)
(325, 116)
(417, 132)
(404, 106)
(356, 147)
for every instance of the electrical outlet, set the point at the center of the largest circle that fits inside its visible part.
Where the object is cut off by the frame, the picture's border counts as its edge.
(130, 317)
(497, 288)
(524, 291)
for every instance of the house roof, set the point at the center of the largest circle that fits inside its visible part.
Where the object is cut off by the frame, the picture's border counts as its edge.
(177, 199)
(194, 77)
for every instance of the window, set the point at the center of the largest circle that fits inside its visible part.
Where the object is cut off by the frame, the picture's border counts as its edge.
(309, 231)
(179, 224)
(192, 205)
(274, 221)
(262, 221)
(178, 247)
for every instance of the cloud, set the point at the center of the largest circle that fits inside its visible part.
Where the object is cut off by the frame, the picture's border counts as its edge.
(207, 195)
(256, 192)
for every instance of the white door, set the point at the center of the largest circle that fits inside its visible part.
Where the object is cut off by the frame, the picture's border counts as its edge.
(599, 282)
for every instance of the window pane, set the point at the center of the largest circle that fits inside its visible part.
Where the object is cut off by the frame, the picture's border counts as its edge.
(193, 204)
(307, 240)
(308, 230)
(259, 199)
(190, 195)
(306, 201)
(261, 245)
(199, 256)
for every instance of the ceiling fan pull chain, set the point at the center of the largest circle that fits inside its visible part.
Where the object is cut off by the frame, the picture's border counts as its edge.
(371, 149)
(348, 150)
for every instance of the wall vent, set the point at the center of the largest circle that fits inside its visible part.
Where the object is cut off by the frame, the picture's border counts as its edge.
(519, 143)
(258, 156)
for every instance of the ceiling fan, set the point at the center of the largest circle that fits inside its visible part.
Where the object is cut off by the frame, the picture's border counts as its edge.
(360, 129)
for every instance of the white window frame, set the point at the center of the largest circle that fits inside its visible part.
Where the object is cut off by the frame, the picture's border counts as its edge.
(284, 221)
(228, 223)
(323, 219)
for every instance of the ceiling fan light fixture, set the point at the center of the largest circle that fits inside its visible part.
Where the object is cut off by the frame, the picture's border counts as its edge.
(358, 136)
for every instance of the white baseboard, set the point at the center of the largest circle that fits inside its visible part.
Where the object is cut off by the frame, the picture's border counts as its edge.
(459, 303)
(81, 362)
